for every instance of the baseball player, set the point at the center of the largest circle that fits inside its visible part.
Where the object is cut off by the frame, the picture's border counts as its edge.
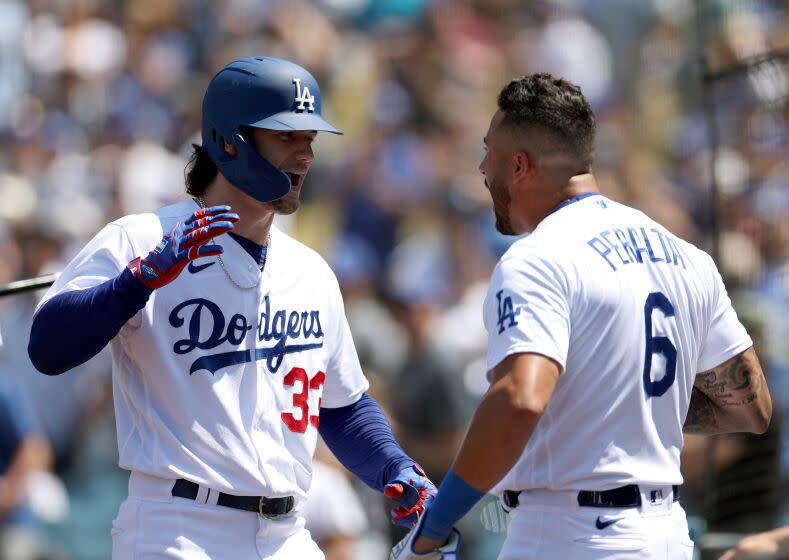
(230, 346)
(608, 335)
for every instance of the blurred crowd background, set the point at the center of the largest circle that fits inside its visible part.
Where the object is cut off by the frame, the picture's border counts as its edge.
(100, 103)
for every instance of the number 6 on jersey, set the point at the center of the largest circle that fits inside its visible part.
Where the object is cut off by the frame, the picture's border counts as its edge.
(658, 345)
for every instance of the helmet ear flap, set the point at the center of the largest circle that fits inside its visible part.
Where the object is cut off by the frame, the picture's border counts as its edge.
(238, 140)
(219, 143)
(240, 144)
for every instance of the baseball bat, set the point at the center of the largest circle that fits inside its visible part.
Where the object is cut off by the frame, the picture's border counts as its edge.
(28, 284)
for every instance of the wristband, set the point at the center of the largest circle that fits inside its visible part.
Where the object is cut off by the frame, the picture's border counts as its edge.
(454, 500)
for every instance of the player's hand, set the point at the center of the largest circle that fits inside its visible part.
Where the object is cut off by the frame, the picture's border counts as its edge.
(187, 241)
(413, 492)
(406, 549)
(760, 547)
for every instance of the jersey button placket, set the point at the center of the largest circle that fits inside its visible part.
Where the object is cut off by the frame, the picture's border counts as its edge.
(261, 399)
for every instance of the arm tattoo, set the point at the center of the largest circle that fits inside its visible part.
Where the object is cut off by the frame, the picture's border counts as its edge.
(740, 381)
(735, 383)
(701, 415)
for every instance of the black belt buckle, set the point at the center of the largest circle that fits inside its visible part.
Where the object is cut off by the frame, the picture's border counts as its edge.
(622, 497)
(510, 498)
(271, 509)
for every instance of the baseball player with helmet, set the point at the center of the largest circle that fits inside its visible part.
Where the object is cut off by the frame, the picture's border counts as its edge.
(231, 350)
(608, 337)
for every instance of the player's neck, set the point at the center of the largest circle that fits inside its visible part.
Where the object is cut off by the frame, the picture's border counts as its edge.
(254, 227)
(255, 218)
(574, 186)
(542, 201)
(580, 184)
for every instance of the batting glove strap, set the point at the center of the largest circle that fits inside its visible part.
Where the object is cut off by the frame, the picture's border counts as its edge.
(404, 550)
(145, 271)
(413, 492)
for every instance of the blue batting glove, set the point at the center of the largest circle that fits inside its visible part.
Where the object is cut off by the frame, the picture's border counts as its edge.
(187, 241)
(413, 492)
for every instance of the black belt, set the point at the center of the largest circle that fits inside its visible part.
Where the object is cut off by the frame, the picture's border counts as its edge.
(267, 507)
(622, 497)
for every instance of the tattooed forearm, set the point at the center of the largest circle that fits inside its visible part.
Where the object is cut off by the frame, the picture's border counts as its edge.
(713, 386)
(741, 380)
(723, 398)
(701, 415)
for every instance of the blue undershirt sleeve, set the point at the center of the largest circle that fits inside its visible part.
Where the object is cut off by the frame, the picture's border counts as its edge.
(361, 438)
(74, 326)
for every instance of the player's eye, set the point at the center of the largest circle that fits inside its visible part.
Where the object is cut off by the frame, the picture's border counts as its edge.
(296, 137)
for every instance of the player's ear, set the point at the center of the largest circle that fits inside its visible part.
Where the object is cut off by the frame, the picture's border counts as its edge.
(229, 148)
(522, 165)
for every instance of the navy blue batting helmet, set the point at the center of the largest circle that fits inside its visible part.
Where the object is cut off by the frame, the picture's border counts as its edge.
(258, 92)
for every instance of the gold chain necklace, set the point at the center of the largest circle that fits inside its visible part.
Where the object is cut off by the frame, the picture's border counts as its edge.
(201, 203)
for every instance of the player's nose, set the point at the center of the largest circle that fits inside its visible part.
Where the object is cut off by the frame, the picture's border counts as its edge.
(306, 153)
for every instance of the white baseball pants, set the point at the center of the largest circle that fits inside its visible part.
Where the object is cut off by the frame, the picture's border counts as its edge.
(152, 524)
(551, 525)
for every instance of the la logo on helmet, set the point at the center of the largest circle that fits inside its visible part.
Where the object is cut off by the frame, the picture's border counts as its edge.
(303, 96)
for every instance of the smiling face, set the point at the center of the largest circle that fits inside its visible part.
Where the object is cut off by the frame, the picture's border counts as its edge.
(496, 167)
(290, 151)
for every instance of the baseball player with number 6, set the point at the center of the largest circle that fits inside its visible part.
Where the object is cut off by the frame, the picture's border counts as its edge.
(230, 346)
(608, 337)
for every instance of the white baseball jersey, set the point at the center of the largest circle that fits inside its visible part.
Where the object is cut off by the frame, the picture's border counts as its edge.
(631, 313)
(221, 384)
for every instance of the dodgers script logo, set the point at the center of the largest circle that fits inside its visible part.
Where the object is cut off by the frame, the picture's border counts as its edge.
(303, 96)
(280, 326)
(506, 311)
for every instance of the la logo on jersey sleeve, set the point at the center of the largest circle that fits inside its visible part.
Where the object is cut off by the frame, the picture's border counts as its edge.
(507, 313)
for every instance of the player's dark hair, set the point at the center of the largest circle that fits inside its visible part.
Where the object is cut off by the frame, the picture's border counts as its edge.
(545, 102)
(200, 171)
